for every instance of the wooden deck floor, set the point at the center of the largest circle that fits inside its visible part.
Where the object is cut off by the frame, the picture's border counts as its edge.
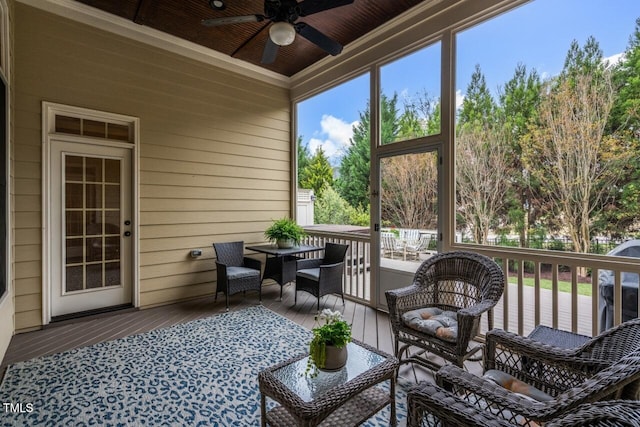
(368, 325)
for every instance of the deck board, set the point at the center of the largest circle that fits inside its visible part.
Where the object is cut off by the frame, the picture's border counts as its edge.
(369, 325)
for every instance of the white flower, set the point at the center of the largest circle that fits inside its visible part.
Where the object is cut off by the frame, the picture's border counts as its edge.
(329, 316)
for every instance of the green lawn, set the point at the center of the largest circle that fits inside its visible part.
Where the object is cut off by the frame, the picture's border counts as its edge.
(583, 288)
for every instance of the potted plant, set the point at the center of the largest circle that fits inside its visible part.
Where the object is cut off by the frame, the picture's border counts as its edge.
(285, 233)
(328, 348)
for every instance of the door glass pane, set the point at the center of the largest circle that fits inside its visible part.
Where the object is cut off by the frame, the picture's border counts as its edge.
(92, 227)
(73, 195)
(94, 196)
(112, 171)
(74, 279)
(73, 168)
(94, 170)
(408, 209)
(112, 274)
(74, 251)
(112, 196)
(94, 276)
(74, 223)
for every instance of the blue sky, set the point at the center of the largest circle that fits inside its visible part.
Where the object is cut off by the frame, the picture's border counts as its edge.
(537, 34)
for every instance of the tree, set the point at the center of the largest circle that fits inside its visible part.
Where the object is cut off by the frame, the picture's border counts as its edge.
(625, 113)
(330, 208)
(481, 178)
(304, 157)
(481, 161)
(420, 117)
(355, 166)
(619, 218)
(409, 193)
(318, 174)
(478, 106)
(569, 151)
(518, 106)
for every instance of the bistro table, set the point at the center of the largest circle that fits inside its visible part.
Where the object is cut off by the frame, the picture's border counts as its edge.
(281, 262)
(346, 397)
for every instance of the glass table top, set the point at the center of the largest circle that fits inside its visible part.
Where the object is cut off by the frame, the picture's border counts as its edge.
(293, 375)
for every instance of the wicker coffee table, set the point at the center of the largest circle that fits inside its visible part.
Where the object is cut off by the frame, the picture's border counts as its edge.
(347, 397)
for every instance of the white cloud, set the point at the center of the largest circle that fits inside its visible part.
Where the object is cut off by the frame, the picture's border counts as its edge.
(337, 130)
(459, 99)
(334, 137)
(613, 59)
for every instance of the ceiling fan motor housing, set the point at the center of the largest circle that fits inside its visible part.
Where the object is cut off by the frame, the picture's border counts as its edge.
(282, 10)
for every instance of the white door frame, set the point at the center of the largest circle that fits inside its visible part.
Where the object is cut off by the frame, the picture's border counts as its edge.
(49, 112)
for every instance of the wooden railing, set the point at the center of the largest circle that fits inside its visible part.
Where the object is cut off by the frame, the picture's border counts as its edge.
(557, 289)
(357, 283)
(576, 308)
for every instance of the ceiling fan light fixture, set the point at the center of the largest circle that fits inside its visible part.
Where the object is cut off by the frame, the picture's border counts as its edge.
(282, 33)
(217, 4)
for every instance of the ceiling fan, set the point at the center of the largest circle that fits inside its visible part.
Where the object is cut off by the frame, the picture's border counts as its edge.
(284, 14)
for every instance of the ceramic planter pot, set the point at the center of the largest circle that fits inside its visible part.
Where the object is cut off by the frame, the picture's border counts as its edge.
(285, 243)
(336, 358)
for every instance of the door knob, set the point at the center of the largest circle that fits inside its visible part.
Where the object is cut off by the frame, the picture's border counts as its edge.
(127, 233)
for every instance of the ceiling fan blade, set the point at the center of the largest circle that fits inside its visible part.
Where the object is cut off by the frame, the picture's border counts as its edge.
(318, 38)
(215, 22)
(308, 7)
(270, 52)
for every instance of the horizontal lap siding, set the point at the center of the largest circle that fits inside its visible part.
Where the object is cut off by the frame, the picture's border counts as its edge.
(7, 302)
(214, 152)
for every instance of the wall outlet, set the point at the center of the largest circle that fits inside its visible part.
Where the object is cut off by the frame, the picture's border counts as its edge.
(195, 253)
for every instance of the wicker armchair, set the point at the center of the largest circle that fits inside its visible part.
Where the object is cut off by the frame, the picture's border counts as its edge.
(322, 276)
(593, 372)
(553, 369)
(613, 413)
(431, 406)
(465, 283)
(236, 273)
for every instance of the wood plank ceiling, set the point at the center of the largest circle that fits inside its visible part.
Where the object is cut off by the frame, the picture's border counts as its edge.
(246, 41)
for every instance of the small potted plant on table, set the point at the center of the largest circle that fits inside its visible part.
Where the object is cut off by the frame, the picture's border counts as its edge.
(328, 348)
(285, 233)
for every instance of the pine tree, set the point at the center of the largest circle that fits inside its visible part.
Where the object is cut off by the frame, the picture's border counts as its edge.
(518, 107)
(478, 106)
(304, 158)
(355, 167)
(318, 174)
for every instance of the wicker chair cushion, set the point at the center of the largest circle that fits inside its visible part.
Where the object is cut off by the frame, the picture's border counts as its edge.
(516, 386)
(309, 273)
(241, 272)
(433, 321)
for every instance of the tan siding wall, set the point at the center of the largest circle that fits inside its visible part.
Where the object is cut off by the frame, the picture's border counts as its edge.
(214, 153)
(7, 303)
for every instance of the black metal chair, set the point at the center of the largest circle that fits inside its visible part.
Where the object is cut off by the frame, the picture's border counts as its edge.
(236, 273)
(440, 311)
(322, 276)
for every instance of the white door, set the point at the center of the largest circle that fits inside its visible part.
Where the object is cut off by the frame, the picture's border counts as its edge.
(90, 227)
